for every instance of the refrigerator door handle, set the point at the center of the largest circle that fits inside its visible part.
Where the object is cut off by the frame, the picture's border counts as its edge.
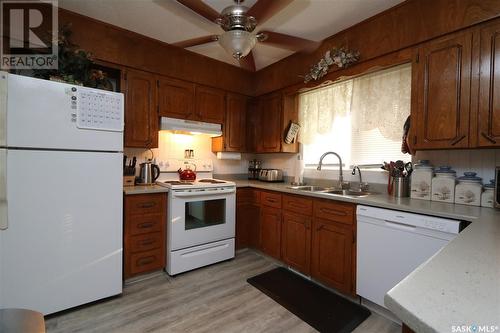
(3, 190)
(3, 108)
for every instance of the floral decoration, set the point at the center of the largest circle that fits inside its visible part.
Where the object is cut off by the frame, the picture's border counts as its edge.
(341, 57)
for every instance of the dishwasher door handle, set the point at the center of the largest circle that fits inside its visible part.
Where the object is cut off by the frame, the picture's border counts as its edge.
(400, 226)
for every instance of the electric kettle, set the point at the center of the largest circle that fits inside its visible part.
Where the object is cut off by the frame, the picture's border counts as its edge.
(148, 173)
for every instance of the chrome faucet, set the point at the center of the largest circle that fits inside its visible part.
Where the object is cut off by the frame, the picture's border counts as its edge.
(362, 186)
(341, 175)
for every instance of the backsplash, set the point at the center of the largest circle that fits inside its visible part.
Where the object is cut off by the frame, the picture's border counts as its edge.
(173, 146)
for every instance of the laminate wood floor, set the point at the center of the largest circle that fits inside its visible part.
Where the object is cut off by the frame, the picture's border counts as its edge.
(216, 298)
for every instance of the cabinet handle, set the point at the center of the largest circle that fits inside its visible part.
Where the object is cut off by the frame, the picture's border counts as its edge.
(145, 225)
(332, 211)
(454, 142)
(147, 205)
(147, 242)
(145, 261)
(489, 138)
(295, 204)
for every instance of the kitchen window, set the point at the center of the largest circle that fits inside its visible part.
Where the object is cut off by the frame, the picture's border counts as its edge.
(361, 119)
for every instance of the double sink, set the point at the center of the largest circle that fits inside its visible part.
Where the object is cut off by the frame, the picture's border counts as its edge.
(332, 190)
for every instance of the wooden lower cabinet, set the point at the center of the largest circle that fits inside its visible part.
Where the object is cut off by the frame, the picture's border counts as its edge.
(296, 241)
(331, 259)
(144, 238)
(270, 231)
(313, 236)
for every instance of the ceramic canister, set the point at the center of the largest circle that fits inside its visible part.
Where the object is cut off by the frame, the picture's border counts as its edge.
(443, 184)
(488, 194)
(421, 180)
(468, 190)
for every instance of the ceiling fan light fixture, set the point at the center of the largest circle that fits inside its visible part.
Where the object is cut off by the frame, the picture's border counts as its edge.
(238, 43)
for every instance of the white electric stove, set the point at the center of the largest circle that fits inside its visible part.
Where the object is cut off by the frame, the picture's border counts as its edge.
(201, 216)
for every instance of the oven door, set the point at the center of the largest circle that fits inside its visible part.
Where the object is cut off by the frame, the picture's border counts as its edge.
(200, 217)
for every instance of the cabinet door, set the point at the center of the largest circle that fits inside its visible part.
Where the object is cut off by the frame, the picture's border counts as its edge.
(235, 124)
(489, 87)
(296, 241)
(331, 260)
(175, 98)
(247, 225)
(269, 135)
(270, 231)
(141, 118)
(210, 104)
(441, 84)
(252, 128)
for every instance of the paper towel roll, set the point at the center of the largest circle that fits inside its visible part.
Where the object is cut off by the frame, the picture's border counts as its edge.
(228, 156)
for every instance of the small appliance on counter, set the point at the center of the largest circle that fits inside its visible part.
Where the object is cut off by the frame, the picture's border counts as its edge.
(254, 167)
(148, 173)
(271, 175)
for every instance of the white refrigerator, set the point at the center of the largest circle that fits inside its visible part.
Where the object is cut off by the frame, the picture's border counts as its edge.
(61, 155)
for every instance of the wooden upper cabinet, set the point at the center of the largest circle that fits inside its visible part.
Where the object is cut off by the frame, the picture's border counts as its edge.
(270, 124)
(210, 104)
(489, 87)
(141, 118)
(441, 92)
(270, 231)
(252, 127)
(175, 98)
(234, 128)
(296, 241)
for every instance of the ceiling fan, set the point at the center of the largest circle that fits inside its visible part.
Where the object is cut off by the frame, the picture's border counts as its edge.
(238, 23)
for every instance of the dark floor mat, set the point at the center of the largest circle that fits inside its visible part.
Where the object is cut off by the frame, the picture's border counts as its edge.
(317, 306)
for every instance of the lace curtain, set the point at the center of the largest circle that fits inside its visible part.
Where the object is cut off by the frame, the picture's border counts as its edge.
(374, 101)
(381, 100)
(319, 108)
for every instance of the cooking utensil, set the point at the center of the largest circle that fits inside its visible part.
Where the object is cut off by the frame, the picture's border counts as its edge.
(187, 174)
(409, 169)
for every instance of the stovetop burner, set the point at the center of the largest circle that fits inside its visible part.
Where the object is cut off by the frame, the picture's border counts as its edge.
(212, 181)
(177, 182)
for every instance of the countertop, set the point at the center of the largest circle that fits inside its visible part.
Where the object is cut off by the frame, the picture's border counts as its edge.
(458, 286)
(144, 189)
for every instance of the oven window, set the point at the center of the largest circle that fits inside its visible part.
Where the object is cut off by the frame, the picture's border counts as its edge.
(206, 213)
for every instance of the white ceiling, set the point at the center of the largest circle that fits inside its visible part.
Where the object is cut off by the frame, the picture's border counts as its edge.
(169, 21)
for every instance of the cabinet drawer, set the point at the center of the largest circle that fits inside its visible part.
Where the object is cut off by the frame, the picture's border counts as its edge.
(270, 199)
(248, 196)
(146, 261)
(137, 225)
(146, 242)
(334, 211)
(144, 204)
(298, 205)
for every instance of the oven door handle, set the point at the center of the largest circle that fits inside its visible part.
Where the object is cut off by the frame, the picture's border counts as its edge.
(201, 193)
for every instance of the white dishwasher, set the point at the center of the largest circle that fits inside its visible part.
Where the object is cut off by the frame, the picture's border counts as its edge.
(391, 244)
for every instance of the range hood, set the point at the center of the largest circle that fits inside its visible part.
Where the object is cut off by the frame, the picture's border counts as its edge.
(181, 126)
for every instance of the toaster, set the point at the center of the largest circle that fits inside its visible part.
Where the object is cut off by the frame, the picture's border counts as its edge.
(271, 175)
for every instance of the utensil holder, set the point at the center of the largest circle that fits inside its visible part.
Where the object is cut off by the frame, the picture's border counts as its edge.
(400, 187)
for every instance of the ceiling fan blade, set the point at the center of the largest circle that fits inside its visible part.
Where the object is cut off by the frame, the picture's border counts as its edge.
(248, 62)
(290, 42)
(201, 8)
(263, 10)
(196, 41)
